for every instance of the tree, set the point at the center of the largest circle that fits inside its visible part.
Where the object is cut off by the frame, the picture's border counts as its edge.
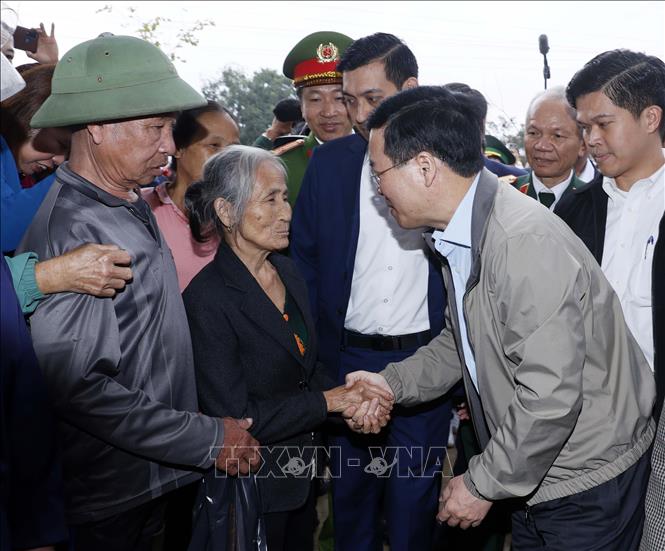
(250, 99)
(509, 132)
(152, 29)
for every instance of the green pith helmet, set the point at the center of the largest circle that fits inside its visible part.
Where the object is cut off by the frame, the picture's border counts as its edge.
(313, 61)
(113, 77)
(494, 148)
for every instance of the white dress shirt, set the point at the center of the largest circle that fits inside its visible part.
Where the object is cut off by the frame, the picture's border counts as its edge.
(390, 272)
(455, 244)
(558, 189)
(631, 232)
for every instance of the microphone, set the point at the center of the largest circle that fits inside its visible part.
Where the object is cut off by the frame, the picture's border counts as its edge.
(544, 47)
(543, 44)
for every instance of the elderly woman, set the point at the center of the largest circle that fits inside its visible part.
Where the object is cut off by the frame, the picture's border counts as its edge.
(253, 334)
(198, 134)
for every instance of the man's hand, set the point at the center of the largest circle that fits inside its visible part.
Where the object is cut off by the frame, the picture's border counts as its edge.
(47, 46)
(372, 415)
(458, 507)
(342, 398)
(278, 128)
(369, 417)
(463, 412)
(90, 269)
(240, 450)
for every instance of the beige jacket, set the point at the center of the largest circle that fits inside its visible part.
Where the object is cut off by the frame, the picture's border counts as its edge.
(566, 392)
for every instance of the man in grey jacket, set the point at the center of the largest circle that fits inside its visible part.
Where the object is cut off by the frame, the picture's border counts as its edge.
(120, 371)
(559, 391)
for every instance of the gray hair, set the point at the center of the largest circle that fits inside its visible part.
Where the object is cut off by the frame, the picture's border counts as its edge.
(557, 93)
(230, 175)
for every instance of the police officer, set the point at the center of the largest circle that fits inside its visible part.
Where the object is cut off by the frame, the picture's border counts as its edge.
(312, 65)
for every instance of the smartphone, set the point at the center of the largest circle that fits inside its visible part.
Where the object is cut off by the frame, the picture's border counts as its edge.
(26, 39)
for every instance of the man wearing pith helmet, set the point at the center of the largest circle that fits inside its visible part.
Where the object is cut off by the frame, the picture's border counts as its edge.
(120, 372)
(312, 65)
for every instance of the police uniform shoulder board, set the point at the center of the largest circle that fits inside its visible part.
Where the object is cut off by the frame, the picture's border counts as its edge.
(288, 147)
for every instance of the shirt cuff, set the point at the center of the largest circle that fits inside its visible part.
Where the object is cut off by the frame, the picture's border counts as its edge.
(391, 376)
(25, 284)
(466, 478)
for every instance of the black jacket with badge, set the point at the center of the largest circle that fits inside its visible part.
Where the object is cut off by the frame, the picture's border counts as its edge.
(248, 364)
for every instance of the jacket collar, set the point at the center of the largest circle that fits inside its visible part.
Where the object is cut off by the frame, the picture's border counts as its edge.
(488, 185)
(71, 178)
(257, 306)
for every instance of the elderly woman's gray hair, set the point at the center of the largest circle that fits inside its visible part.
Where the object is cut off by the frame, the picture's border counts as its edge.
(231, 175)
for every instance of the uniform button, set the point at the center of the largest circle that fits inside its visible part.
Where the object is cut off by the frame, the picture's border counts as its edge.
(385, 300)
(390, 267)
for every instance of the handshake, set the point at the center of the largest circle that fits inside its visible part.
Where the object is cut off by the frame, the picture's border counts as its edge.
(365, 401)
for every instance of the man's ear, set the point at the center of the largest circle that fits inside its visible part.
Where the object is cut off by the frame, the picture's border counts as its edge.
(653, 115)
(426, 166)
(411, 82)
(96, 132)
(178, 153)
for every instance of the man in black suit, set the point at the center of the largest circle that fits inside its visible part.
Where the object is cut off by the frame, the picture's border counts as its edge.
(620, 100)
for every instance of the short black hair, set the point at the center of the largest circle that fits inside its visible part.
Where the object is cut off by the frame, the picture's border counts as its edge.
(631, 80)
(398, 60)
(288, 110)
(473, 97)
(433, 119)
(187, 130)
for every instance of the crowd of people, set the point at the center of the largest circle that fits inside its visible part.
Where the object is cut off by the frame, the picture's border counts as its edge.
(203, 341)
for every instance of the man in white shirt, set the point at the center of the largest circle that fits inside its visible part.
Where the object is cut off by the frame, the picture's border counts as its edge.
(553, 143)
(377, 297)
(620, 101)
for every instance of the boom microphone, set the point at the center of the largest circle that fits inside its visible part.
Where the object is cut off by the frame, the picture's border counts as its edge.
(543, 45)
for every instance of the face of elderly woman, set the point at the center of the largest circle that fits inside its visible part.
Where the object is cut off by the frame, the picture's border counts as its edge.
(265, 224)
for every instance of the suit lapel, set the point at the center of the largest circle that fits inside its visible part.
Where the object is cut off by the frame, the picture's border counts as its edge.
(599, 209)
(254, 303)
(298, 292)
(349, 183)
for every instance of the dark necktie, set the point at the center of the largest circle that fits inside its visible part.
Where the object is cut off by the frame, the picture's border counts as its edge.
(546, 198)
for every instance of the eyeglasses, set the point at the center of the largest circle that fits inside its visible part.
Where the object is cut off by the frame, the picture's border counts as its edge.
(376, 176)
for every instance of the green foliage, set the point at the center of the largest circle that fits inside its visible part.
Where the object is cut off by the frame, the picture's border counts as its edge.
(250, 99)
(151, 29)
(509, 132)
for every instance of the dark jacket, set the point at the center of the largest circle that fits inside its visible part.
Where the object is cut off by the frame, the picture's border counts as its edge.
(32, 509)
(525, 185)
(248, 364)
(585, 211)
(119, 371)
